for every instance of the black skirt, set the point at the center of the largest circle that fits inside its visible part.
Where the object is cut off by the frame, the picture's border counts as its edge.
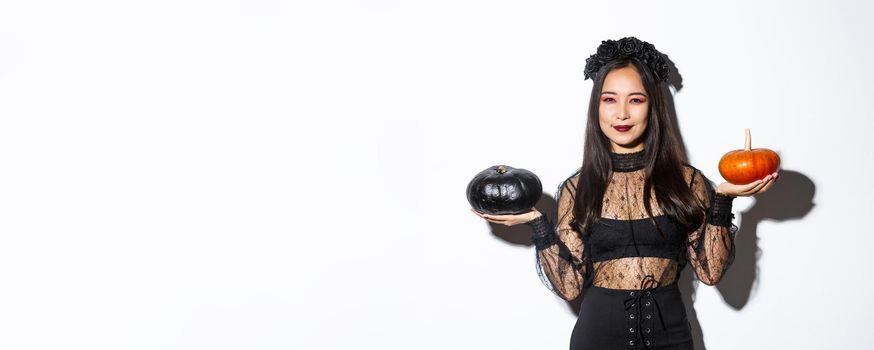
(624, 319)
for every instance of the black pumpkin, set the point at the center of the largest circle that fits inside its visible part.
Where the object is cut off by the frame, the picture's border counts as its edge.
(502, 189)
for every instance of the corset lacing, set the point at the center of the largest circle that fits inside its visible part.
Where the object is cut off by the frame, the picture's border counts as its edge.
(647, 285)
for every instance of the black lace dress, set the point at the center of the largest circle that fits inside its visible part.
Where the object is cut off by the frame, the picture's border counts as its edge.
(628, 265)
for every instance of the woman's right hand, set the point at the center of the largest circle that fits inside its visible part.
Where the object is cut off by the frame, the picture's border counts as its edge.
(511, 219)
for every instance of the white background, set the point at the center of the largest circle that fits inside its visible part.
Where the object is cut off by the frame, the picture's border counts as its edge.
(272, 175)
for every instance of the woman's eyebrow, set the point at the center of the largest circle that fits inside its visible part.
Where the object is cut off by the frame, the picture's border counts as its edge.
(633, 93)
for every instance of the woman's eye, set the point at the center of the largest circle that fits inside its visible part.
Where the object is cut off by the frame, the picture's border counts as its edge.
(608, 99)
(637, 100)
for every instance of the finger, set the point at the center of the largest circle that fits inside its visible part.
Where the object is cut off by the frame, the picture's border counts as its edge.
(767, 186)
(489, 217)
(761, 184)
(744, 189)
(750, 188)
(494, 219)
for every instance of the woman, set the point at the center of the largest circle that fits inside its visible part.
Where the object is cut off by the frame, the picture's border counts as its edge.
(634, 213)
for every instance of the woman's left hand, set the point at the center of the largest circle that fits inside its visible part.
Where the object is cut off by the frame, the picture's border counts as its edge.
(749, 189)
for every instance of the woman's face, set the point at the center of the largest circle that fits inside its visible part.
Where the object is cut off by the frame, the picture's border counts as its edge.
(623, 111)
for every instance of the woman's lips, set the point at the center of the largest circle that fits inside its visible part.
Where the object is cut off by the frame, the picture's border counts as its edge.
(622, 128)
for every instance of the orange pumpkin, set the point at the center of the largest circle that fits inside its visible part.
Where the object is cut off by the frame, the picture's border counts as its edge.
(743, 166)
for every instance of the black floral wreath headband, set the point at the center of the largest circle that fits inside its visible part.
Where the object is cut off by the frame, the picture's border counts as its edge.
(628, 47)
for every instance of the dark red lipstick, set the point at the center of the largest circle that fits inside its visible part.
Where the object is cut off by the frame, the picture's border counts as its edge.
(622, 128)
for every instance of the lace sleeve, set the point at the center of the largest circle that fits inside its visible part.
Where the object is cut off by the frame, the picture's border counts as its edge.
(559, 249)
(710, 247)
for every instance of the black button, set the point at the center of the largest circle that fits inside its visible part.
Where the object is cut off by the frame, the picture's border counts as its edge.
(631, 329)
(631, 316)
(648, 330)
(632, 293)
(631, 342)
(648, 317)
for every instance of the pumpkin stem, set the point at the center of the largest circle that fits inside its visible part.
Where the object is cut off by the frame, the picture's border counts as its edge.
(748, 142)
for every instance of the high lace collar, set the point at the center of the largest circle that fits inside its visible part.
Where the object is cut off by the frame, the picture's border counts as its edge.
(626, 162)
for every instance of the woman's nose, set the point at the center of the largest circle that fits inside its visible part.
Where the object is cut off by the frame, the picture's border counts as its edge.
(623, 113)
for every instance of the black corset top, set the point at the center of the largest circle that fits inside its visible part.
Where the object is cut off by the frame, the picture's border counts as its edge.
(612, 238)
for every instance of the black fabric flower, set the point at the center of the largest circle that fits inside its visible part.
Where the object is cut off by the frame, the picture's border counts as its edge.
(643, 51)
(592, 66)
(630, 46)
(608, 50)
(648, 53)
(661, 69)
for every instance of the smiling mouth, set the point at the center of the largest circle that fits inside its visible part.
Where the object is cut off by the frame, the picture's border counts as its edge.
(622, 128)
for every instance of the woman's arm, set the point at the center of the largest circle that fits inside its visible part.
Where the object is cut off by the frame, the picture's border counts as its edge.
(710, 247)
(559, 249)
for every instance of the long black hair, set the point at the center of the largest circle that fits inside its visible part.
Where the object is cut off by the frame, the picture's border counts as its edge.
(663, 153)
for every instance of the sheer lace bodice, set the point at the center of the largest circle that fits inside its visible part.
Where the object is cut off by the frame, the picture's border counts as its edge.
(626, 247)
